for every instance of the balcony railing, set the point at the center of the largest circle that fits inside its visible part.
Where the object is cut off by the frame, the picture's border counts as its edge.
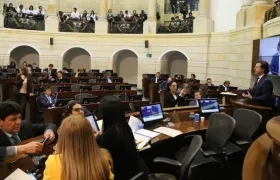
(126, 28)
(76, 26)
(175, 27)
(272, 13)
(15, 21)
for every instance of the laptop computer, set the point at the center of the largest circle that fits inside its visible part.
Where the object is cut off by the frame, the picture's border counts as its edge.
(208, 106)
(152, 115)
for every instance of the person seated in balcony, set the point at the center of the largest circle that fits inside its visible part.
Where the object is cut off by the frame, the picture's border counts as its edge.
(21, 11)
(40, 13)
(172, 24)
(85, 14)
(120, 17)
(59, 77)
(75, 15)
(143, 16)
(30, 12)
(190, 20)
(127, 16)
(93, 17)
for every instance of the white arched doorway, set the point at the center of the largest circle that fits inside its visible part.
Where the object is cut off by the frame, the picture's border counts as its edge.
(25, 53)
(174, 62)
(77, 58)
(125, 63)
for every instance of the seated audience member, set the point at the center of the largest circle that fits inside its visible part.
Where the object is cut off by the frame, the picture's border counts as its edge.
(59, 77)
(109, 78)
(92, 17)
(14, 130)
(64, 70)
(12, 65)
(30, 12)
(40, 14)
(197, 96)
(193, 77)
(51, 73)
(46, 99)
(118, 138)
(75, 15)
(165, 85)
(224, 87)
(78, 156)
(127, 16)
(262, 92)
(143, 16)
(80, 71)
(156, 78)
(21, 11)
(24, 64)
(208, 83)
(172, 98)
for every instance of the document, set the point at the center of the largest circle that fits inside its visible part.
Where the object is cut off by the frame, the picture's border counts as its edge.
(133, 123)
(147, 133)
(141, 141)
(168, 131)
(100, 124)
(228, 93)
(18, 174)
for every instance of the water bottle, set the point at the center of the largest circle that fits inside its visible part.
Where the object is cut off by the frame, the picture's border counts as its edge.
(196, 117)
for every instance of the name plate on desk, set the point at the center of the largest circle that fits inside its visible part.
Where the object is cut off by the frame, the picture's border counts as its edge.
(18, 174)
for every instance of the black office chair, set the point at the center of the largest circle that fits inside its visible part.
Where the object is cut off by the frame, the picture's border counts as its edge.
(247, 123)
(137, 176)
(184, 166)
(80, 97)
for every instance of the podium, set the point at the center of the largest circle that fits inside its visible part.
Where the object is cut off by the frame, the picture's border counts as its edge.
(162, 96)
(145, 86)
(153, 92)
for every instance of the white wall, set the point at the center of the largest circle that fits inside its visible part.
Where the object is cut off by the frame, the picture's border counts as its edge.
(223, 13)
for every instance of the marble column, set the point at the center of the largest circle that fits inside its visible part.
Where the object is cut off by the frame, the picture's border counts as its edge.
(202, 23)
(259, 2)
(52, 22)
(1, 14)
(101, 26)
(246, 3)
(150, 25)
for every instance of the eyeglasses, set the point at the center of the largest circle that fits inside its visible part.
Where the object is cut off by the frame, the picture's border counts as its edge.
(78, 109)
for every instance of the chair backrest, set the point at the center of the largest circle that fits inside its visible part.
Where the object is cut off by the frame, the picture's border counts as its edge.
(247, 123)
(92, 80)
(123, 97)
(80, 97)
(76, 87)
(37, 101)
(220, 128)
(54, 88)
(194, 147)
(137, 176)
(96, 87)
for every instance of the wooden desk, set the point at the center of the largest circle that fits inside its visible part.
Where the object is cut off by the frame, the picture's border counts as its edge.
(24, 162)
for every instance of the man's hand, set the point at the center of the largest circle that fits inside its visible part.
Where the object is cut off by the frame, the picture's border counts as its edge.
(30, 148)
(248, 96)
(49, 133)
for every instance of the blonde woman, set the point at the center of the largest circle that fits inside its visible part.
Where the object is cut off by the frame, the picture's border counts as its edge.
(78, 156)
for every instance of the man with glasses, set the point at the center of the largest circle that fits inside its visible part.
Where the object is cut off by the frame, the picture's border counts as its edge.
(13, 130)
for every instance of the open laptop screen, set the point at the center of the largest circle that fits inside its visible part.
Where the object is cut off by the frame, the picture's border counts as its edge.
(209, 106)
(151, 112)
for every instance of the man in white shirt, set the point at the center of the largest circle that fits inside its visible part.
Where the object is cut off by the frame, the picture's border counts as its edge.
(20, 9)
(224, 87)
(127, 16)
(75, 15)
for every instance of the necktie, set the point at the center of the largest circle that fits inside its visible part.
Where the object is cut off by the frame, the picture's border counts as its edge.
(49, 98)
(256, 82)
(15, 139)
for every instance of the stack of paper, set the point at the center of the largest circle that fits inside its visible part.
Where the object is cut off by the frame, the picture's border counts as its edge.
(228, 93)
(168, 131)
(141, 141)
(147, 133)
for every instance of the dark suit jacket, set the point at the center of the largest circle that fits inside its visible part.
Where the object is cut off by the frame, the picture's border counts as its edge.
(193, 103)
(53, 73)
(274, 65)
(61, 80)
(221, 88)
(19, 82)
(43, 102)
(262, 92)
(170, 101)
(27, 131)
(153, 80)
(164, 86)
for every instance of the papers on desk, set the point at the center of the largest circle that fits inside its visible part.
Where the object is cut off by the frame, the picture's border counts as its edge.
(141, 141)
(133, 123)
(18, 174)
(228, 93)
(147, 133)
(168, 131)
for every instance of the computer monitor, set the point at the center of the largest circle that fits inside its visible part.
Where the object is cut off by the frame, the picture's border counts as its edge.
(62, 102)
(92, 100)
(64, 89)
(37, 70)
(65, 80)
(232, 88)
(135, 97)
(44, 81)
(67, 74)
(118, 80)
(94, 71)
(109, 70)
(107, 87)
(100, 80)
(125, 87)
(151, 113)
(212, 88)
(12, 75)
(208, 106)
(83, 80)
(83, 74)
(85, 88)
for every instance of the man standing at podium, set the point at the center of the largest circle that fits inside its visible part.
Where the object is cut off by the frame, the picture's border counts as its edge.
(261, 94)
(156, 78)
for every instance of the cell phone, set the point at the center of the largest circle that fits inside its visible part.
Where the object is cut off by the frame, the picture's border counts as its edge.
(46, 140)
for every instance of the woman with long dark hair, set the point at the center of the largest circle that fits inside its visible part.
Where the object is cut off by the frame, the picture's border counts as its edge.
(23, 89)
(118, 138)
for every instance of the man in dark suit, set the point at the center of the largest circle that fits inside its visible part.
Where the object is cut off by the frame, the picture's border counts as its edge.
(165, 85)
(208, 83)
(46, 99)
(261, 94)
(274, 65)
(108, 78)
(59, 77)
(197, 96)
(51, 73)
(14, 130)
(156, 78)
(224, 87)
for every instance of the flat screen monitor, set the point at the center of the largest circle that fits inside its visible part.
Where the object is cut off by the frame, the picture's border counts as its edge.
(125, 87)
(232, 88)
(85, 88)
(62, 102)
(107, 87)
(65, 80)
(92, 100)
(83, 80)
(213, 88)
(151, 113)
(209, 106)
(136, 97)
(64, 89)
(83, 74)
